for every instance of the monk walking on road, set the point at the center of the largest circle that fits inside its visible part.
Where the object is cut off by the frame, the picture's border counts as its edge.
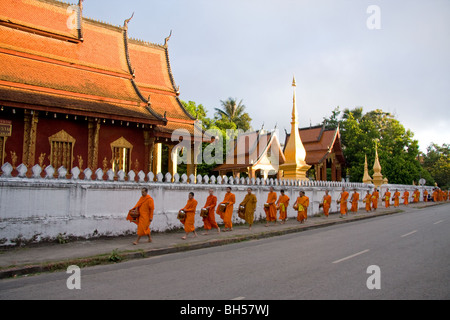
(387, 198)
(188, 222)
(375, 196)
(228, 202)
(209, 222)
(249, 204)
(354, 200)
(145, 207)
(326, 202)
(282, 204)
(302, 204)
(343, 202)
(270, 207)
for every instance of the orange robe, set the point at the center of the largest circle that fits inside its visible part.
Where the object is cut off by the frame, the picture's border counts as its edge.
(249, 203)
(416, 196)
(271, 212)
(145, 206)
(367, 201)
(375, 196)
(227, 215)
(326, 204)
(210, 221)
(405, 197)
(343, 202)
(396, 198)
(355, 199)
(302, 203)
(435, 195)
(283, 203)
(189, 208)
(425, 196)
(387, 199)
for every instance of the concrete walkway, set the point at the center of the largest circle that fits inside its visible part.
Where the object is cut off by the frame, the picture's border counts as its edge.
(52, 257)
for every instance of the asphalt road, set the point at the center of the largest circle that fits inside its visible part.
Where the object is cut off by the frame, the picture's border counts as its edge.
(410, 252)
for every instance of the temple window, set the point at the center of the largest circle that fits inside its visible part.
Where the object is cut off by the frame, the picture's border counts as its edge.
(61, 150)
(121, 155)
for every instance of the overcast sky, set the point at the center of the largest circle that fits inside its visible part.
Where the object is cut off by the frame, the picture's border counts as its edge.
(250, 50)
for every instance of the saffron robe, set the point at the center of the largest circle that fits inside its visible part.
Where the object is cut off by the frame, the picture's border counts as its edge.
(189, 208)
(355, 199)
(387, 198)
(405, 198)
(396, 198)
(367, 200)
(425, 195)
(326, 204)
(249, 203)
(230, 199)
(145, 206)
(375, 196)
(343, 202)
(271, 212)
(283, 203)
(210, 221)
(302, 204)
(416, 196)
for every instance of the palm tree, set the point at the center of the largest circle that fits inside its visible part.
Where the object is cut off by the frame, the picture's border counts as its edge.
(234, 113)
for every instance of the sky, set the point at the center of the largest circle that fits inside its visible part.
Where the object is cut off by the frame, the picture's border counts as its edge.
(377, 54)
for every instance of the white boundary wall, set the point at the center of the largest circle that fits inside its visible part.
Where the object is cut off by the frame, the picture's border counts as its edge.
(43, 207)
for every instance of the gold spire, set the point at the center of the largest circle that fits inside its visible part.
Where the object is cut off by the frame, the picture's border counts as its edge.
(366, 178)
(377, 176)
(295, 166)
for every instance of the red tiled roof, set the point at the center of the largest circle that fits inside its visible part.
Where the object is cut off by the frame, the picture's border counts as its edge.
(319, 142)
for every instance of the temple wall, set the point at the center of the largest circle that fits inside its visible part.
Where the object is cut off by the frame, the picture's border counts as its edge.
(38, 209)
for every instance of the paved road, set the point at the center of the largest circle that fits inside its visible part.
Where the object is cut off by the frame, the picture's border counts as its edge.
(411, 250)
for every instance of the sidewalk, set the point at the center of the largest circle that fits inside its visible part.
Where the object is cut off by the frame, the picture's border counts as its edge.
(52, 257)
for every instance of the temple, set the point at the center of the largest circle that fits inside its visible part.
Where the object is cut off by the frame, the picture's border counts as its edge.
(79, 92)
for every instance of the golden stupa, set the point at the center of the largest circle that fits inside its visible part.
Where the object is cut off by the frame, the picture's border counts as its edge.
(295, 166)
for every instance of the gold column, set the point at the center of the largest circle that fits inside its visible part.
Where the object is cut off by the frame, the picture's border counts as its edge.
(93, 140)
(156, 158)
(29, 137)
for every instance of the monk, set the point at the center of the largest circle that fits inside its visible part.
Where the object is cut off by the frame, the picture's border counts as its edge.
(145, 206)
(343, 202)
(229, 201)
(271, 211)
(425, 196)
(302, 204)
(282, 205)
(387, 198)
(375, 196)
(435, 195)
(326, 203)
(189, 208)
(209, 221)
(405, 197)
(354, 199)
(367, 200)
(396, 198)
(249, 203)
(416, 196)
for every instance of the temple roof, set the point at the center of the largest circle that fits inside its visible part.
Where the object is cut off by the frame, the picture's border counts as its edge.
(319, 142)
(92, 69)
(250, 149)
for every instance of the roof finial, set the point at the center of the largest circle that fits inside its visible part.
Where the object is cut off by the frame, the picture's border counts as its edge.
(167, 39)
(125, 23)
(293, 82)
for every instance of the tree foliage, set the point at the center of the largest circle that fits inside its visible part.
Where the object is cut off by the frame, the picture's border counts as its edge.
(437, 162)
(397, 150)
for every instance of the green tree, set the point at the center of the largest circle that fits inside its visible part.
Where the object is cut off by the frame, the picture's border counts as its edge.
(437, 162)
(234, 113)
(398, 151)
